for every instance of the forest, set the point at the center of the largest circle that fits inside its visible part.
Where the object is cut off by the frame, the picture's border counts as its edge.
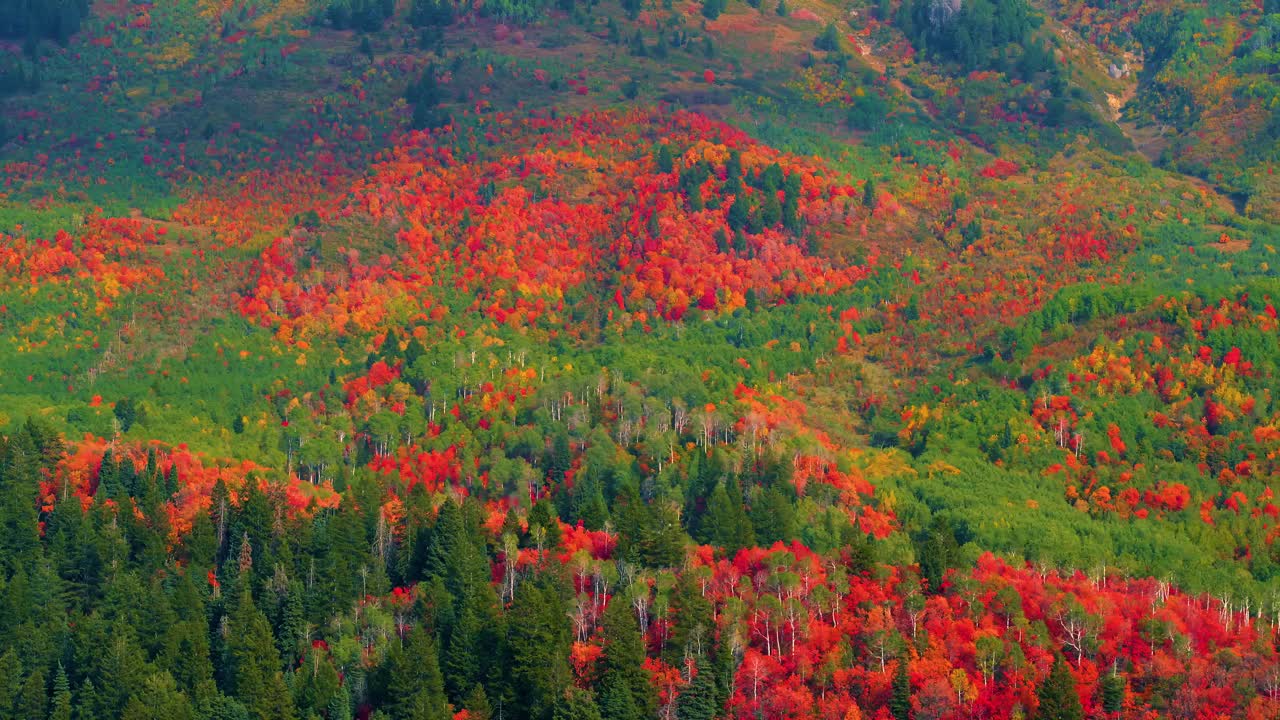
(595, 360)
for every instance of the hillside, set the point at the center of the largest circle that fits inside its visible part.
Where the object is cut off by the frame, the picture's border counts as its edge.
(583, 360)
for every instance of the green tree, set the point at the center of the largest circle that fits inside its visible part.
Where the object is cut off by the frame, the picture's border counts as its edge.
(626, 690)
(663, 159)
(258, 679)
(127, 413)
(725, 523)
(20, 465)
(61, 709)
(937, 550)
(86, 702)
(900, 701)
(829, 40)
(1057, 694)
(425, 96)
(1112, 689)
(739, 212)
(33, 699)
(698, 701)
(539, 645)
(415, 688)
(773, 518)
(160, 699)
(316, 684)
(576, 704)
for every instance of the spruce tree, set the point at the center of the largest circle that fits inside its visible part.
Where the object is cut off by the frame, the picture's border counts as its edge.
(1112, 689)
(316, 683)
(1058, 697)
(415, 688)
(292, 625)
(10, 680)
(123, 668)
(698, 701)
(576, 704)
(726, 523)
(19, 482)
(339, 707)
(539, 640)
(772, 517)
(624, 681)
(259, 681)
(739, 212)
(462, 658)
(692, 626)
(33, 699)
(663, 160)
(477, 704)
(160, 699)
(61, 709)
(900, 702)
(86, 707)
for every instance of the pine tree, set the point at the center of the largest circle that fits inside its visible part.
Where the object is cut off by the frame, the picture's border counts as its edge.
(86, 702)
(316, 683)
(725, 523)
(576, 704)
(126, 413)
(539, 642)
(739, 212)
(184, 653)
(462, 659)
(123, 668)
(900, 702)
(692, 626)
(698, 701)
(339, 707)
(33, 699)
(477, 704)
(938, 551)
(623, 670)
(561, 456)
(160, 699)
(1058, 697)
(542, 516)
(61, 696)
(772, 517)
(292, 624)
(258, 679)
(19, 477)
(1112, 689)
(617, 701)
(415, 688)
(829, 40)
(663, 160)
(10, 680)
